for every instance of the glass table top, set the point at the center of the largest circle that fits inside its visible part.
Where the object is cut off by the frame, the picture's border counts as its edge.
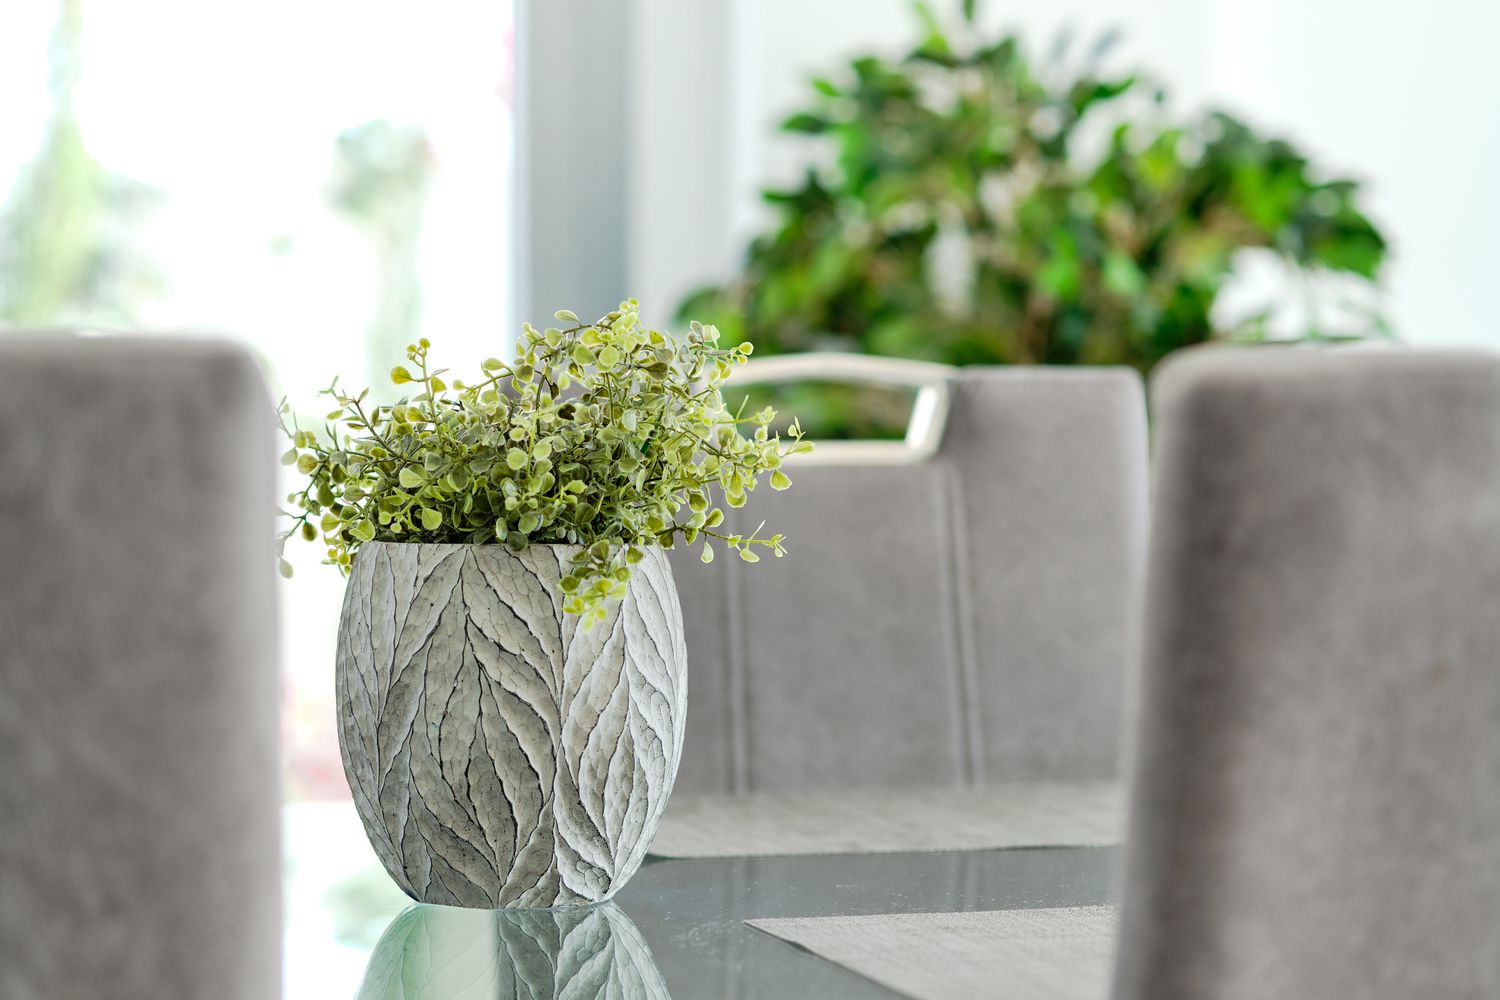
(677, 929)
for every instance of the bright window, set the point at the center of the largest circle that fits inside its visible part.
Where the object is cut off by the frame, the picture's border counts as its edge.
(324, 181)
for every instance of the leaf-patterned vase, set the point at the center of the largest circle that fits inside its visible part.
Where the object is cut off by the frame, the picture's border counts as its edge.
(499, 754)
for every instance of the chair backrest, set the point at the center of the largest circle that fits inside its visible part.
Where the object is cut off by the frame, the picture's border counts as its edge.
(139, 792)
(956, 617)
(1316, 804)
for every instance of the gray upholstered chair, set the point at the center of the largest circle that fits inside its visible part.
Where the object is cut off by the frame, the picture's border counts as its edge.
(1316, 809)
(139, 798)
(953, 609)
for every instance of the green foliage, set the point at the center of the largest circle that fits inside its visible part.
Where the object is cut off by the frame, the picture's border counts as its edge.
(605, 435)
(986, 210)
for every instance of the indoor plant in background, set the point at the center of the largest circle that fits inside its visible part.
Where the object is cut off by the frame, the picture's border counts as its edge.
(511, 670)
(976, 206)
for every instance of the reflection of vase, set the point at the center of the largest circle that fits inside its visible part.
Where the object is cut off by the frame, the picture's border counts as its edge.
(499, 754)
(444, 953)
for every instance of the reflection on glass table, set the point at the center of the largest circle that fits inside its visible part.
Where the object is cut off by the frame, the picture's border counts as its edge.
(444, 953)
(678, 926)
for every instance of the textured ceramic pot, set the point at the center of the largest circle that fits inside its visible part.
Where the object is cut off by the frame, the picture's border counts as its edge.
(439, 953)
(499, 755)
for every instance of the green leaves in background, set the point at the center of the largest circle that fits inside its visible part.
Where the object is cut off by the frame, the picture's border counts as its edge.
(988, 210)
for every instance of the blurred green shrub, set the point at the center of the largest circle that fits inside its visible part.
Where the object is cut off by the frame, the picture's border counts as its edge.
(980, 209)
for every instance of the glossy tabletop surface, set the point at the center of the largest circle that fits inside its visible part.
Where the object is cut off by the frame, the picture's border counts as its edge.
(676, 930)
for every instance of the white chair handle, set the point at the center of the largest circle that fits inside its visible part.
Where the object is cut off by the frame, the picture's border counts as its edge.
(929, 414)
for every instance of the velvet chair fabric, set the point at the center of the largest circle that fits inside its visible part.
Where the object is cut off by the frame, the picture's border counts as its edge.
(1316, 807)
(139, 795)
(959, 620)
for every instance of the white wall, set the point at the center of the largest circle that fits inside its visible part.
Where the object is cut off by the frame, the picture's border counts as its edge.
(1398, 94)
(1401, 95)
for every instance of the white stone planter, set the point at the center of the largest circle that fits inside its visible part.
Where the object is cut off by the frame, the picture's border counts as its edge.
(500, 756)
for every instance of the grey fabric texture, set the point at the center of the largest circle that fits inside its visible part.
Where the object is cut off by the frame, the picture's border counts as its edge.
(1042, 954)
(959, 621)
(1316, 809)
(1018, 814)
(139, 792)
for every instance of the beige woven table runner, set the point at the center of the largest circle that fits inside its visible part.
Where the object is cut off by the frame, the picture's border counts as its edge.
(1050, 814)
(1043, 954)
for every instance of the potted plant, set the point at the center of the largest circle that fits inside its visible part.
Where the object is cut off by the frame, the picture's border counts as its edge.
(972, 204)
(511, 669)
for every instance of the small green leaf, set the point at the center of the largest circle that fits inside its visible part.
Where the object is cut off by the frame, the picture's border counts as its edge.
(805, 124)
(935, 45)
(400, 376)
(708, 553)
(515, 458)
(410, 477)
(431, 519)
(780, 480)
(749, 555)
(566, 315)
